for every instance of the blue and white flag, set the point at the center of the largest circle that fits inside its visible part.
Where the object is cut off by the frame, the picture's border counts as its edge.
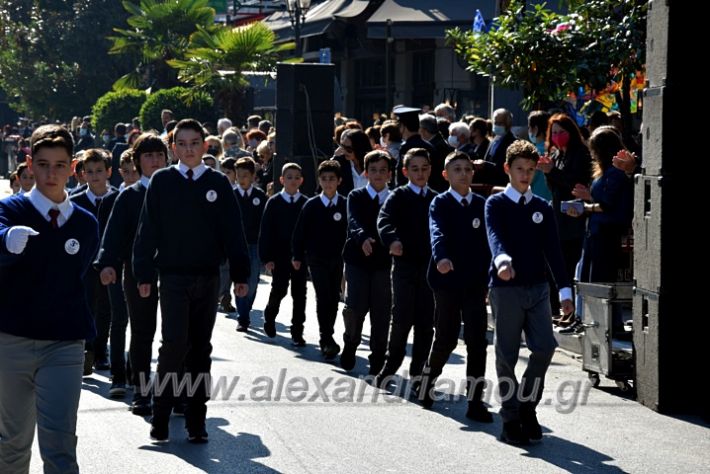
(479, 24)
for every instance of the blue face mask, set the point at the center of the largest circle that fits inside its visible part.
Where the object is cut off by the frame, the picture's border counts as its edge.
(533, 138)
(499, 130)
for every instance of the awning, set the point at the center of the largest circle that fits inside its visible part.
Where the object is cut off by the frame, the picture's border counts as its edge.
(318, 18)
(417, 19)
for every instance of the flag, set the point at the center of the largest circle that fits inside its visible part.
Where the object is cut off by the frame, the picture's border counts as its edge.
(479, 24)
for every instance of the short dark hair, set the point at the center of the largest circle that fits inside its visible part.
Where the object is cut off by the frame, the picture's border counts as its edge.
(21, 167)
(330, 166)
(189, 124)
(246, 163)
(291, 166)
(119, 129)
(414, 152)
(379, 155)
(97, 155)
(147, 142)
(52, 136)
(539, 119)
(521, 149)
(454, 156)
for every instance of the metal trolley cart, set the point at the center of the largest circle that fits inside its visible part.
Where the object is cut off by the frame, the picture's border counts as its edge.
(603, 354)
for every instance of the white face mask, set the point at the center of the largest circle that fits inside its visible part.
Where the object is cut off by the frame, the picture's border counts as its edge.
(453, 141)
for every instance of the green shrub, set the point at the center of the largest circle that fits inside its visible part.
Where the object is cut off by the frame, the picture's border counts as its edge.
(116, 106)
(183, 102)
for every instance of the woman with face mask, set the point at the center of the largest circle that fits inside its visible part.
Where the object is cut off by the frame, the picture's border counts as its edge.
(568, 165)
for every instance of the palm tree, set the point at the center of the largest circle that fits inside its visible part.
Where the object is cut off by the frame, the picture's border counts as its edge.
(216, 59)
(159, 32)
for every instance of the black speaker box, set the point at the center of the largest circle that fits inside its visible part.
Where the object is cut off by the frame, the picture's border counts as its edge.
(304, 118)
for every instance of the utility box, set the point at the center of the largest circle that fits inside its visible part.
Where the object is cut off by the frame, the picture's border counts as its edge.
(603, 351)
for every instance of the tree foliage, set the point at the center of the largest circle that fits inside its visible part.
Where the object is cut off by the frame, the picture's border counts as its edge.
(159, 31)
(116, 106)
(183, 103)
(548, 54)
(54, 58)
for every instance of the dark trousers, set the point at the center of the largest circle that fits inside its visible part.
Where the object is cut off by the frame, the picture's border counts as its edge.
(188, 306)
(119, 322)
(413, 306)
(368, 290)
(97, 295)
(571, 254)
(453, 307)
(326, 275)
(282, 274)
(143, 314)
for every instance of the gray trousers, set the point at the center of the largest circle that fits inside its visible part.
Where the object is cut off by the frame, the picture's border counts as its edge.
(519, 309)
(40, 383)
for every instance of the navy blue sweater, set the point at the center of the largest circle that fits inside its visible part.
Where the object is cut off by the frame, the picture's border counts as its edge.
(189, 227)
(528, 234)
(405, 217)
(252, 209)
(459, 234)
(320, 231)
(277, 226)
(42, 289)
(117, 241)
(614, 192)
(102, 212)
(362, 225)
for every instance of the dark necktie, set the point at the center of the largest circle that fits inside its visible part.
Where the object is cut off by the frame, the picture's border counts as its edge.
(421, 192)
(293, 199)
(521, 201)
(464, 202)
(189, 174)
(53, 214)
(97, 203)
(376, 199)
(331, 204)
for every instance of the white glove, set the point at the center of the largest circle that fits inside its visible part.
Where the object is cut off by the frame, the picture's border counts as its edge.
(16, 238)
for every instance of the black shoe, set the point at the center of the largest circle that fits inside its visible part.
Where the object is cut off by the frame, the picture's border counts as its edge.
(512, 433)
(140, 406)
(383, 380)
(423, 391)
(375, 367)
(477, 411)
(530, 426)
(243, 327)
(330, 350)
(347, 359)
(297, 341)
(102, 364)
(575, 328)
(197, 436)
(159, 430)
(117, 390)
(270, 328)
(88, 363)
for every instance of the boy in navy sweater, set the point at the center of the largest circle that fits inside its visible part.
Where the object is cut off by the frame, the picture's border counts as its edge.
(149, 155)
(46, 246)
(107, 303)
(523, 239)
(367, 266)
(318, 241)
(277, 225)
(457, 274)
(189, 223)
(252, 201)
(403, 225)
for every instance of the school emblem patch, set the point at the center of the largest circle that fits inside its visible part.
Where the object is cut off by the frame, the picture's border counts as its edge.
(256, 201)
(537, 217)
(337, 216)
(211, 195)
(476, 223)
(72, 246)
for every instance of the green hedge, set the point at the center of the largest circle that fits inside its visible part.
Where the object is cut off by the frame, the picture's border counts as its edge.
(182, 102)
(116, 106)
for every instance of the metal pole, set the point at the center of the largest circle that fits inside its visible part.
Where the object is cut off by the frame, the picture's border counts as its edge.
(388, 40)
(297, 30)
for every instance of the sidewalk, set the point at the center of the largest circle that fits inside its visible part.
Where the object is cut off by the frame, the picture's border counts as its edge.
(262, 429)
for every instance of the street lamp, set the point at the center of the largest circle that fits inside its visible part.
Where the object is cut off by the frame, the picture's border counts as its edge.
(297, 14)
